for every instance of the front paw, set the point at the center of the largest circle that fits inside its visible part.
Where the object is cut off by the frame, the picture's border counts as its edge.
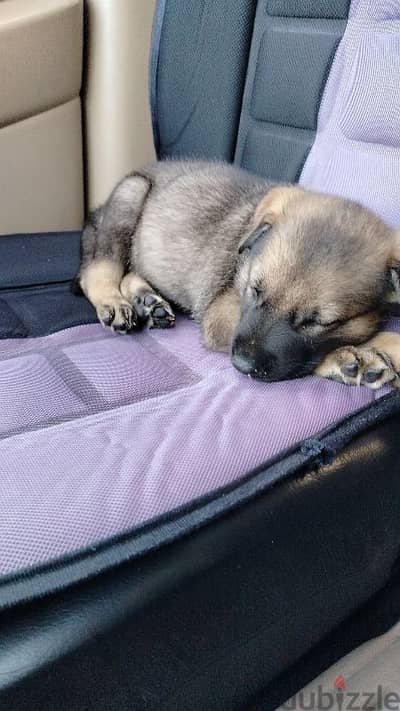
(361, 365)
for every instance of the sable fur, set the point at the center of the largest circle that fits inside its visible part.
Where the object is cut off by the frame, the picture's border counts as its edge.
(276, 275)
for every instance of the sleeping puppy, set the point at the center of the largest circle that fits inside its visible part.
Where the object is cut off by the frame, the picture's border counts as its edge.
(286, 280)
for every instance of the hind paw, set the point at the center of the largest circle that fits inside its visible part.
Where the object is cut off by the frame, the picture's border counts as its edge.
(361, 365)
(153, 310)
(117, 315)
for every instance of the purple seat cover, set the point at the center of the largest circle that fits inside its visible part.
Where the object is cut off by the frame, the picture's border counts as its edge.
(100, 433)
(357, 149)
(104, 432)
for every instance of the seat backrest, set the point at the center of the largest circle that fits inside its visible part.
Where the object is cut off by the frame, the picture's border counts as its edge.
(357, 148)
(293, 90)
(243, 81)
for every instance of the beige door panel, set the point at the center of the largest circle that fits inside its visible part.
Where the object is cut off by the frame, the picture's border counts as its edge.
(41, 172)
(116, 96)
(40, 56)
(41, 165)
(41, 169)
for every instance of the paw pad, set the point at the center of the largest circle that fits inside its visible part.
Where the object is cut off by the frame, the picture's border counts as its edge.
(120, 317)
(371, 376)
(152, 309)
(358, 366)
(108, 318)
(350, 369)
(149, 300)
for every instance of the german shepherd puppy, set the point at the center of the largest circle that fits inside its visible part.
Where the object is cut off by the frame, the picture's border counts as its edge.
(286, 280)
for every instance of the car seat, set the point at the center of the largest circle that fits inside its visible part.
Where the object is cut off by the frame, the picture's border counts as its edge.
(173, 534)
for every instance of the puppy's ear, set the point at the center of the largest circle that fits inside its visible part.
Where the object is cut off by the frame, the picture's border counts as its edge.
(269, 211)
(253, 237)
(274, 205)
(394, 258)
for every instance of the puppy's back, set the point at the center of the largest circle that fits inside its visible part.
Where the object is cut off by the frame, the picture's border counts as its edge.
(192, 223)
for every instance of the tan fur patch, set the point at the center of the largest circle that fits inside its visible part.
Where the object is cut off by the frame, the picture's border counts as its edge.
(388, 342)
(359, 328)
(131, 284)
(100, 281)
(299, 279)
(220, 321)
(394, 259)
(273, 206)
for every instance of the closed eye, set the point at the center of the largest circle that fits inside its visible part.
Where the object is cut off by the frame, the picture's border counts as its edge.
(315, 321)
(259, 297)
(307, 323)
(256, 291)
(331, 324)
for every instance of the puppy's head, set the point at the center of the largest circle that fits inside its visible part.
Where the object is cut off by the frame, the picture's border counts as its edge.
(313, 275)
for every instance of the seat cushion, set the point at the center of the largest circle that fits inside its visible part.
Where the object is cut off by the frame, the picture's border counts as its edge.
(117, 431)
(35, 284)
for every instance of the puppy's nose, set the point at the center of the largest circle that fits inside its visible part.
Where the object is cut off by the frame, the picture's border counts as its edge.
(244, 363)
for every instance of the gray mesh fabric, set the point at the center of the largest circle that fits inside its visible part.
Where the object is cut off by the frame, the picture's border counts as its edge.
(292, 49)
(337, 9)
(202, 63)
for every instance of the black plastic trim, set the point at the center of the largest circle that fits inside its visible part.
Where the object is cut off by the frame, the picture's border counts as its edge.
(42, 580)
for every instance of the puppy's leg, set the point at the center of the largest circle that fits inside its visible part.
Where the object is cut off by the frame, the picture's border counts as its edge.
(373, 364)
(100, 282)
(148, 305)
(220, 320)
(106, 247)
